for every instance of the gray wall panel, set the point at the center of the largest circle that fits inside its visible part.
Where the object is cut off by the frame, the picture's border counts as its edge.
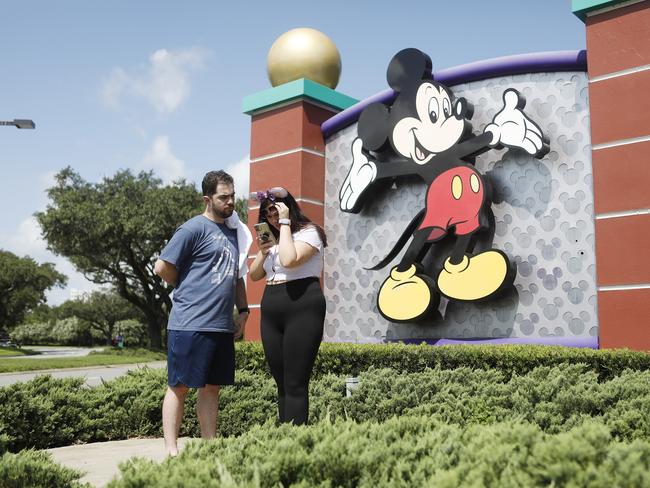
(543, 220)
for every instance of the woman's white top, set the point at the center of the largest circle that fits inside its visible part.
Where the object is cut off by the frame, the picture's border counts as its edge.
(312, 267)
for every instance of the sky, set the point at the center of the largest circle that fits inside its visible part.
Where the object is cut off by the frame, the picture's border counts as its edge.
(158, 85)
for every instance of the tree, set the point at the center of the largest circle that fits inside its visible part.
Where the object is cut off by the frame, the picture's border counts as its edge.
(23, 283)
(241, 207)
(102, 310)
(113, 231)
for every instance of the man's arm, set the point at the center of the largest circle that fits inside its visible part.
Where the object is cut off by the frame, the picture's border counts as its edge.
(241, 302)
(167, 271)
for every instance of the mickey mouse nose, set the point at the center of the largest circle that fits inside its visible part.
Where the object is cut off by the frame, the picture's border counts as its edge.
(463, 109)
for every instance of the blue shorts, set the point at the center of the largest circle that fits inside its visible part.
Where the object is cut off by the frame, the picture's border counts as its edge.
(196, 359)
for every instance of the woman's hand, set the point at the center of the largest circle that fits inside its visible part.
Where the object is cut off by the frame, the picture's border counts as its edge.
(283, 210)
(264, 246)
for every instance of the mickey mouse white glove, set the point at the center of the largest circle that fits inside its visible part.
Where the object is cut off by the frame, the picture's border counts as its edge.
(361, 174)
(512, 128)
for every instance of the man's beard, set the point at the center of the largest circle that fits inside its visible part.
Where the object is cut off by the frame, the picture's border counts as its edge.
(222, 214)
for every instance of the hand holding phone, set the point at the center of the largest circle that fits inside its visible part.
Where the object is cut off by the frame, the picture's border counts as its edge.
(264, 234)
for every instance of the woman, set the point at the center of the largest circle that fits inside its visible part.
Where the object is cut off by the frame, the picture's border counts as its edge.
(293, 305)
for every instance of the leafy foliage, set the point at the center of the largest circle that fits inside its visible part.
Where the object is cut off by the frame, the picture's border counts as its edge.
(36, 470)
(241, 207)
(23, 283)
(413, 451)
(555, 399)
(102, 310)
(112, 232)
(134, 333)
(70, 331)
(352, 359)
(566, 423)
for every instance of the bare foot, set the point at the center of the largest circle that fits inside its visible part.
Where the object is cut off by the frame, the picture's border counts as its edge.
(172, 451)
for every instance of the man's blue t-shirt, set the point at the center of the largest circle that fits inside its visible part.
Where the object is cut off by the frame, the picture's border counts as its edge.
(206, 256)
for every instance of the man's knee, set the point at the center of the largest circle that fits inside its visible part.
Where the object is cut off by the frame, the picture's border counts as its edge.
(179, 390)
(209, 390)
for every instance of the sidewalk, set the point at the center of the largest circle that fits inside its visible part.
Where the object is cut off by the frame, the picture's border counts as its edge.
(100, 460)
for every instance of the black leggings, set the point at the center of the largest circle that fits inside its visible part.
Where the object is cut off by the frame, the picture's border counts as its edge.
(292, 328)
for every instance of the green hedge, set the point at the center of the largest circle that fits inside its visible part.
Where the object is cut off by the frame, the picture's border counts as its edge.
(36, 470)
(352, 359)
(553, 398)
(415, 451)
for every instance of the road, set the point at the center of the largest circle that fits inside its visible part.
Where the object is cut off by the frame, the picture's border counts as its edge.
(50, 352)
(94, 375)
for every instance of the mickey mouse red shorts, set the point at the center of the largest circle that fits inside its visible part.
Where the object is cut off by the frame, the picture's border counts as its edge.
(454, 198)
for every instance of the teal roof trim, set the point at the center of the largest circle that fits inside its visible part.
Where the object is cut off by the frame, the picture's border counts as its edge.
(294, 90)
(582, 7)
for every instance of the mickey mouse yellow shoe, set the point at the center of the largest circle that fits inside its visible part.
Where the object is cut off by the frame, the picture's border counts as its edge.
(406, 296)
(474, 277)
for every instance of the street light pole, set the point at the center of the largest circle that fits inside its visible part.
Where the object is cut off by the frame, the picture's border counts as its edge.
(20, 123)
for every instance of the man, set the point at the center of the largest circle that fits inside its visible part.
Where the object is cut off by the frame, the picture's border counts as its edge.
(202, 261)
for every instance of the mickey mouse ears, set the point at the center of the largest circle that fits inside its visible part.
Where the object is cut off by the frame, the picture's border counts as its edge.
(270, 194)
(408, 68)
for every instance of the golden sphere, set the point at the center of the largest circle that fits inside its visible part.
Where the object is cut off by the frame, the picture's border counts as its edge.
(304, 53)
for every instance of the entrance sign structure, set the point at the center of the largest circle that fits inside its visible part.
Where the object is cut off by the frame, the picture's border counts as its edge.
(543, 216)
(561, 218)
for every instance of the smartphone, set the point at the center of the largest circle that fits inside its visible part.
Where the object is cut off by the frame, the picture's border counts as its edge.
(264, 233)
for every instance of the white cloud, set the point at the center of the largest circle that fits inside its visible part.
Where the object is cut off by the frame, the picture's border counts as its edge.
(240, 172)
(163, 162)
(114, 88)
(27, 241)
(165, 82)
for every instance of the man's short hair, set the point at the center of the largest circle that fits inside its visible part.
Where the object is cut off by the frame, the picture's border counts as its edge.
(212, 179)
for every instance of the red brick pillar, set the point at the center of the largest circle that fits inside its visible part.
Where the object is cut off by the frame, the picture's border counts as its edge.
(287, 149)
(618, 54)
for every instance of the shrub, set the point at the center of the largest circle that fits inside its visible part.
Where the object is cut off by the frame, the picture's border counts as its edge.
(554, 399)
(134, 332)
(46, 412)
(36, 470)
(70, 331)
(352, 359)
(414, 451)
(32, 333)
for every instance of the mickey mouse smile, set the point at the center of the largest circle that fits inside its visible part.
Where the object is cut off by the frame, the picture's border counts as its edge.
(421, 154)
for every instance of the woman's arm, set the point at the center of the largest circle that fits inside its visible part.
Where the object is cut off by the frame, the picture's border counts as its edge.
(292, 254)
(296, 253)
(257, 272)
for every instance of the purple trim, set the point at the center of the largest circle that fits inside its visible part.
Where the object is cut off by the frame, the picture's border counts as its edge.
(586, 342)
(551, 61)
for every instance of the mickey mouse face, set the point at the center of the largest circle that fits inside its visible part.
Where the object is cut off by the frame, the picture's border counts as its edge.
(432, 128)
(423, 121)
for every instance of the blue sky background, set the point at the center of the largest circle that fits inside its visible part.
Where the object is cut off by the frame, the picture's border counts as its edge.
(159, 84)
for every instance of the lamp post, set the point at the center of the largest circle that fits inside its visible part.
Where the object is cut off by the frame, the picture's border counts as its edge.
(19, 123)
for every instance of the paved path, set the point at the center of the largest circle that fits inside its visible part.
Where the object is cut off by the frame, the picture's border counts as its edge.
(100, 460)
(50, 352)
(94, 375)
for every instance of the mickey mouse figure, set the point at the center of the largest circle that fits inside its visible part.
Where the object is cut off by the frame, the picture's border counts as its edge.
(427, 132)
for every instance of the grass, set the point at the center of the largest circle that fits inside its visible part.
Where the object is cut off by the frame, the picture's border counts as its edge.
(94, 359)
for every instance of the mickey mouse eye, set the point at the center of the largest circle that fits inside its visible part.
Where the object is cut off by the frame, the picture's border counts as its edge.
(434, 109)
(446, 107)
